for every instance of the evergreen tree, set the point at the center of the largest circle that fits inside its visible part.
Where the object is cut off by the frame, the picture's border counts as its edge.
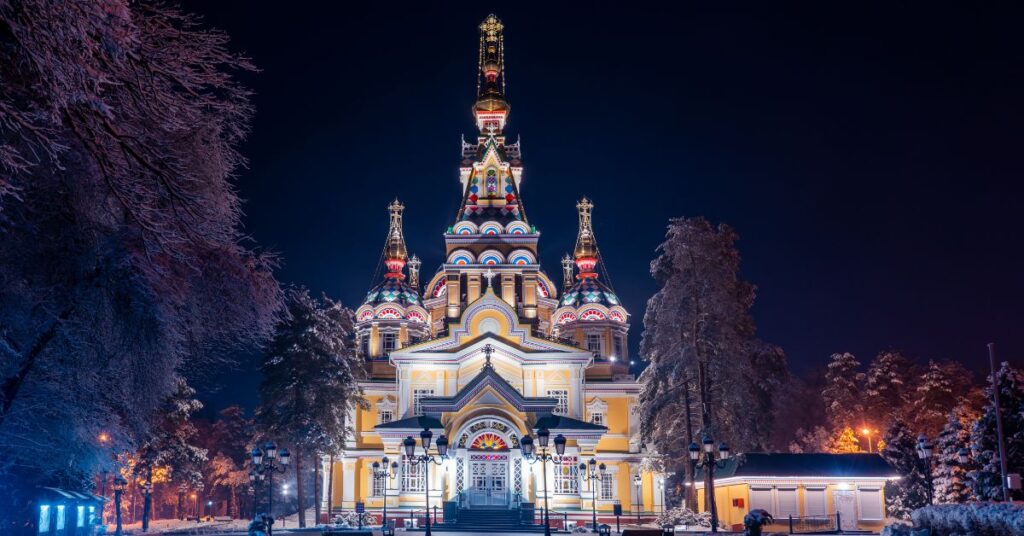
(842, 391)
(310, 379)
(844, 441)
(984, 442)
(936, 395)
(706, 364)
(910, 492)
(952, 484)
(887, 388)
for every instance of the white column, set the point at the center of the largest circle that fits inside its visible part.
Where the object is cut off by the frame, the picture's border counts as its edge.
(325, 478)
(348, 475)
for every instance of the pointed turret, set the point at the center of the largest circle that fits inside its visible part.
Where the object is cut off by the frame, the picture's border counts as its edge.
(586, 245)
(491, 108)
(395, 253)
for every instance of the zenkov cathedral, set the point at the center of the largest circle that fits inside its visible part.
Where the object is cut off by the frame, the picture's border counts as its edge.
(489, 350)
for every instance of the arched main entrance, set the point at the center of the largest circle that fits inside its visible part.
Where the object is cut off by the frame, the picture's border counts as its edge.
(489, 475)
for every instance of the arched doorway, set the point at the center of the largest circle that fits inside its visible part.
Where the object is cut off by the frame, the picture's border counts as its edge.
(489, 474)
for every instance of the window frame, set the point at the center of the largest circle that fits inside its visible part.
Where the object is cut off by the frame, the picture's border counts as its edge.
(562, 407)
(418, 394)
(566, 482)
(385, 337)
(413, 476)
(600, 343)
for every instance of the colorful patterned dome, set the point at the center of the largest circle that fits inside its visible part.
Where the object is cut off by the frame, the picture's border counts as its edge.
(393, 290)
(586, 291)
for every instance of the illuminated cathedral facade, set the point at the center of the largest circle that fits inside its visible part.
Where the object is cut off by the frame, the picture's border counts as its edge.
(490, 349)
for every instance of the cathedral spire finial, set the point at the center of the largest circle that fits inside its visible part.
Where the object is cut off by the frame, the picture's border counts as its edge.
(586, 244)
(395, 252)
(567, 265)
(491, 107)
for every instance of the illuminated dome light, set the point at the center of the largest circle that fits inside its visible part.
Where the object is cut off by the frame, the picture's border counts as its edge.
(566, 317)
(415, 316)
(389, 312)
(440, 289)
(392, 290)
(395, 268)
(491, 229)
(517, 228)
(489, 441)
(586, 266)
(592, 315)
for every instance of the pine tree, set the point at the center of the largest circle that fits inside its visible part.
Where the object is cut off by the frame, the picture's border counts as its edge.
(887, 388)
(952, 484)
(938, 391)
(844, 441)
(310, 379)
(987, 477)
(842, 390)
(910, 492)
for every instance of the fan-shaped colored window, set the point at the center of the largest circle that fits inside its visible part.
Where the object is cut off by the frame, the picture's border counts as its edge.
(520, 259)
(567, 316)
(490, 228)
(616, 316)
(461, 258)
(464, 228)
(517, 228)
(490, 259)
(415, 316)
(441, 288)
(389, 312)
(366, 315)
(489, 441)
(592, 314)
(542, 289)
(465, 231)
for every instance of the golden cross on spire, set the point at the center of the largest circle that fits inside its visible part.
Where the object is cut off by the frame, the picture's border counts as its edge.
(488, 350)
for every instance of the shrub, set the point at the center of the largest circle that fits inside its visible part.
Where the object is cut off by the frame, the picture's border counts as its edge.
(974, 519)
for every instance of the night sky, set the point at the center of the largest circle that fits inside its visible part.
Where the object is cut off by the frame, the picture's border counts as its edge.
(868, 155)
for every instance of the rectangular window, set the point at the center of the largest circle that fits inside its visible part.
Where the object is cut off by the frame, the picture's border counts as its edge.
(788, 505)
(60, 517)
(417, 395)
(870, 503)
(607, 487)
(388, 341)
(379, 483)
(761, 498)
(620, 348)
(92, 514)
(594, 343)
(412, 475)
(562, 395)
(364, 345)
(814, 502)
(80, 520)
(44, 518)
(385, 415)
(597, 418)
(567, 480)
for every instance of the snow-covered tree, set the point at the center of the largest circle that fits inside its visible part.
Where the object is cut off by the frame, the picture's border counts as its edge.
(816, 439)
(911, 490)
(706, 364)
(952, 483)
(984, 442)
(842, 391)
(887, 388)
(311, 370)
(936, 394)
(122, 257)
(844, 441)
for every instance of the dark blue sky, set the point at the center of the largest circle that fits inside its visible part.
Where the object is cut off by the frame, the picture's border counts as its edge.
(869, 155)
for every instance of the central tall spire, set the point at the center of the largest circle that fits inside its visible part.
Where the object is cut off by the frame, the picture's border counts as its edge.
(491, 108)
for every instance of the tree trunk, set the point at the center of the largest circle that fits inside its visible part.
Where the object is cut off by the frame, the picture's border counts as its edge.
(180, 514)
(330, 486)
(316, 482)
(233, 505)
(300, 491)
(12, 385)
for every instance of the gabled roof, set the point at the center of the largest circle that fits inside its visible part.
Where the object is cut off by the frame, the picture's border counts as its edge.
(761, 464)
(487, 378)
(418, 423)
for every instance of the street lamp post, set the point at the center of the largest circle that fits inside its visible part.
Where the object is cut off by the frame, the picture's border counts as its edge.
(924, 451)
(426, 459)
(119, 485)
(706, 460)
(265, 464)
(593, 473)
(526, 444)
(103, 493)
(866, 432)
(661, 488)
(386, 471)
(638, 482)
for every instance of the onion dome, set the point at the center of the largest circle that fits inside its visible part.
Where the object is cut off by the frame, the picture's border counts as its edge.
(394, 289)
(587, 291)
(586, 246)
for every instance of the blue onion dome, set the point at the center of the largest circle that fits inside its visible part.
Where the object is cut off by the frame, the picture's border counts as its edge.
(586, 291)
(393, 290)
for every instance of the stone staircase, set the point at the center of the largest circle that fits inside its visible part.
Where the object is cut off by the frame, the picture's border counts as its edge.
(489, 520)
